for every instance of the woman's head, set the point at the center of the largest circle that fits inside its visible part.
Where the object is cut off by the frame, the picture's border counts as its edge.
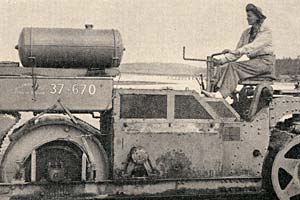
(254, 14)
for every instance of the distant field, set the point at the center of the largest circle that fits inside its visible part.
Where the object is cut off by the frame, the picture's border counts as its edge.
(161, 69)
(287, 70)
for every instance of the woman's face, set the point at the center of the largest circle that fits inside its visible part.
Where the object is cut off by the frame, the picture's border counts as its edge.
(251, 18)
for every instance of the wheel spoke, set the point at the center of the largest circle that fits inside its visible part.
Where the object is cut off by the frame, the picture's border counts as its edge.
(292, 189)
(289, 165)
(286, 171)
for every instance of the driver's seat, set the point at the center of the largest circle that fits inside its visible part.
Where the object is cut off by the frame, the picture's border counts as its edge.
(259, 79)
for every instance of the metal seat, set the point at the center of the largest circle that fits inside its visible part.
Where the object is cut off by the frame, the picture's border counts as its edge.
(256, 80)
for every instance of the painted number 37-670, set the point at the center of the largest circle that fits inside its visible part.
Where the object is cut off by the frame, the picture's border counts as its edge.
(77, 89)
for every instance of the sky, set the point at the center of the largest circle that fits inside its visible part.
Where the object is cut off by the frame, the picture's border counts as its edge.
(155, 30)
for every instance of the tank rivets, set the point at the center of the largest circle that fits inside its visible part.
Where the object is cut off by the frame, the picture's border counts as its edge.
(256, 153)
(67, 129)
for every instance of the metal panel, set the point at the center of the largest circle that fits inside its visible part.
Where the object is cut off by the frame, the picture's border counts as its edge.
(238, 156)
(133, 106)
(281, 107)
(77, 94)
(176, 150)
(177, 147)
(187, 107)
(221, 109)
(231, 134)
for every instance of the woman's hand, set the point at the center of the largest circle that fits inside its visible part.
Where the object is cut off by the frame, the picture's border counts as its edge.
(234, 52)
(226, 51)
(217, 61)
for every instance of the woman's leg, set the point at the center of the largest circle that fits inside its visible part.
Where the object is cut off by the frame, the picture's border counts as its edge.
(235, 71)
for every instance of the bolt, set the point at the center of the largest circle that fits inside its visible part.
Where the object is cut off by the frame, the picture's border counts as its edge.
(256, 153)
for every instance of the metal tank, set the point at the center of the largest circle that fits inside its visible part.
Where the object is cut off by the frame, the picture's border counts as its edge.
(70, 48)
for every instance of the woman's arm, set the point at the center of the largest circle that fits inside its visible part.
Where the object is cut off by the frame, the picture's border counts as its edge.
(233, 55)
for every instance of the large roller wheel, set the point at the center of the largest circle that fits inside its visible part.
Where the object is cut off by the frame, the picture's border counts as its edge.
(54, 149)
(286, 171)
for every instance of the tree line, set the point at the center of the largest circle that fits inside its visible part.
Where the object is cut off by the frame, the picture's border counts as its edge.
(288, 66)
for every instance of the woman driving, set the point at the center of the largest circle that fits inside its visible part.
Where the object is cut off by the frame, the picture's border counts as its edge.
(256, 44)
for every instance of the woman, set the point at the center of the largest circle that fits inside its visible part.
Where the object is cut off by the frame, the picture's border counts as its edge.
(256, 43)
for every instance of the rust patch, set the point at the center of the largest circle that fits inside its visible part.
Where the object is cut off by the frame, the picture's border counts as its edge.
(174, 164)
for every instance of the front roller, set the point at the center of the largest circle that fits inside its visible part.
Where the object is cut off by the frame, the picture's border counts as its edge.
(286, 171)
(53, 149)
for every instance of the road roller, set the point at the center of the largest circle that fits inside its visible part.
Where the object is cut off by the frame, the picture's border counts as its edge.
(145, 143)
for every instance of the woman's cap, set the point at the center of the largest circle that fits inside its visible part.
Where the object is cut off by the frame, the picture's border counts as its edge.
(256, 10)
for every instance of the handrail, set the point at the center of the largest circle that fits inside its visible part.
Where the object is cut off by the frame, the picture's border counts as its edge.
(210, 65)
(192, 59)
(199, 59)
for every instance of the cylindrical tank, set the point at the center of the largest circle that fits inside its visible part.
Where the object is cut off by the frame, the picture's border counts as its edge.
(70, 48)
